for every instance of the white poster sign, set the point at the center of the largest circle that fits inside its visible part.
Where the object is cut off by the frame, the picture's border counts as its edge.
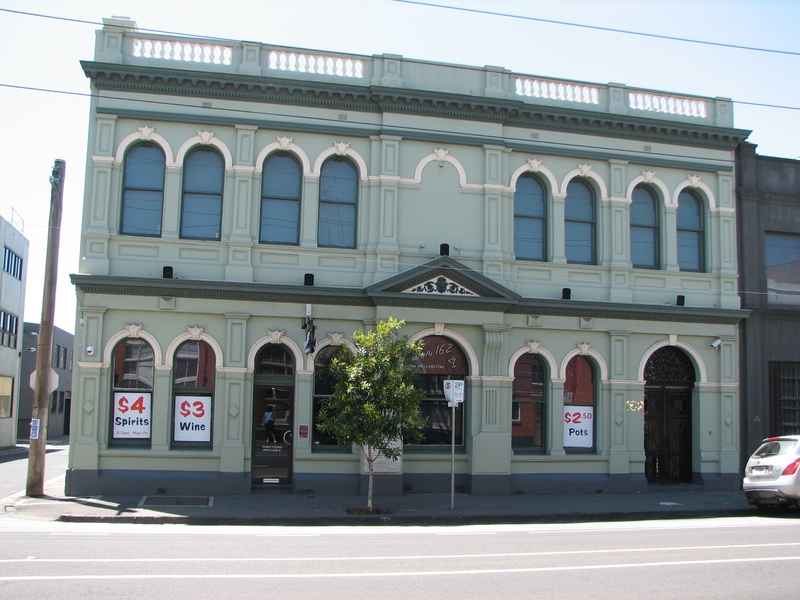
(453, 390)
(192, 419)
(578, 426)
(34, 429)
(131, 416)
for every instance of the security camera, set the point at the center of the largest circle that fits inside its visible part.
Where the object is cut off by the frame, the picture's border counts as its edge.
(716, 344)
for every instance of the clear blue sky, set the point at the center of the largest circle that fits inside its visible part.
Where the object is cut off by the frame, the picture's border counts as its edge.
(39, 127)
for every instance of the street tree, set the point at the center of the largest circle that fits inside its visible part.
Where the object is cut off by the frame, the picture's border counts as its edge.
(375, 404)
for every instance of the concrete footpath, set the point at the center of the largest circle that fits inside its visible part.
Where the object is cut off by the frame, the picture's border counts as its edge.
(281, 507)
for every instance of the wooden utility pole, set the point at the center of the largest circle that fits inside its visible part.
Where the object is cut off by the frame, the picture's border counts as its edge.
(44, 351)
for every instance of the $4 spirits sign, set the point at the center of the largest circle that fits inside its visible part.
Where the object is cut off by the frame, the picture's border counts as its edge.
(131, 416)
(192, 419)
(578, 426)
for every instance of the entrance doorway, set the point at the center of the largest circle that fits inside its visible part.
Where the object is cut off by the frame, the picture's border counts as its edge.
(273, 391)
(669, 379)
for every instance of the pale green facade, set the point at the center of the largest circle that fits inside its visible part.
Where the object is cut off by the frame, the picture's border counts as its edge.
(438, 150)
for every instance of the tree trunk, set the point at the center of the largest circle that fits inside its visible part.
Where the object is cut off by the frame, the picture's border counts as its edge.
(370, 462)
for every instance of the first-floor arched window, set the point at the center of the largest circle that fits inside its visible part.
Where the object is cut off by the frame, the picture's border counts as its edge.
(690, 232)
(133, 366)
(338, 197)
(644, 229)
(442, 359)
(143, 191)
(530, 220)
(203, 182)
(528, 404)
(193, 394)
(580, 224)
(579, 404)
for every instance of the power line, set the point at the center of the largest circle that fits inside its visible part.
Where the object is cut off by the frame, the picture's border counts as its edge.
(596, 27)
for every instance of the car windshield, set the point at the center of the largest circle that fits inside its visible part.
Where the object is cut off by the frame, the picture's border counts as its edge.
(774, 448)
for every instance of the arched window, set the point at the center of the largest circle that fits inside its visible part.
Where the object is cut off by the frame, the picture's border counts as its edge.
(530, 220)
(323, 389)
(644, 229)
(579, 404)
(579, 224)
(690, 232)
(338, 195)
(528, 404)
(281, 187)
(441, 359)
(193, 394)
(203, 180)
(132, 393)
(143, 191)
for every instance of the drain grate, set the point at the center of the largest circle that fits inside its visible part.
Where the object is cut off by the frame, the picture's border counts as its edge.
(177, 501)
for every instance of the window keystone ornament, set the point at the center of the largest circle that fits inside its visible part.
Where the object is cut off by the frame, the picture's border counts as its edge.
(533, 347)
(133, 330)
(284, 142)
(146, 132)
(195, 332)
(337, 338)
(205, 137)
(341, 148)
(584, 170)
(648, 176)
(694, 180)
(274, 336)
(534, 164)
(584, 348)
(441, 154)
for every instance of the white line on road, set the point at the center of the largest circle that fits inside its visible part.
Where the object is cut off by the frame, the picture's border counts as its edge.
(196, 576)
(395, 558)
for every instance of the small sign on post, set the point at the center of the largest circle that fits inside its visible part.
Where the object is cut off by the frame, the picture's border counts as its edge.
(454, 394)
(34, 429)
(454, 391)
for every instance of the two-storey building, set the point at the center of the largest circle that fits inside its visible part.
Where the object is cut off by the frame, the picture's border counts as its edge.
(566, 248)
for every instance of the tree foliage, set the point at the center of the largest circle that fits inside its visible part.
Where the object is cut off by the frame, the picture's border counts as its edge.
(374, 402)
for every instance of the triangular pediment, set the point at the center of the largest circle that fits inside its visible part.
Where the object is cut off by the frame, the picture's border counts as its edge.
(442, 278)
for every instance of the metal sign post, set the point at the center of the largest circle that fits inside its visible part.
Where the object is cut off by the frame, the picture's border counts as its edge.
(454, 394)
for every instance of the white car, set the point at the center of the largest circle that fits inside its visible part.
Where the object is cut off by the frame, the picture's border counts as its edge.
(772, 474)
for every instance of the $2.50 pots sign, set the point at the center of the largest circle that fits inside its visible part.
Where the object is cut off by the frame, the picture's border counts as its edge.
(192, 419)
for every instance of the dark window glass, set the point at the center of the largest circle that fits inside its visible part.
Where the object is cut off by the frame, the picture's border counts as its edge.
(579, 224)
(280, 200)
(690, 232)
(527, 423)
(644, 229)
(12, 263)
(8, 329)
(579, 402)
(338, 193)
(195, 365)
(134, 365)
(784, 398)
(203, 180)
(273, 359)
(324, 385)
(441, 359)
(143, 193)
(782, 256)
(529, 220)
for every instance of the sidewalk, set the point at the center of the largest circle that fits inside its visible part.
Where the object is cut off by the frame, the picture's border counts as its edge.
(279, 507)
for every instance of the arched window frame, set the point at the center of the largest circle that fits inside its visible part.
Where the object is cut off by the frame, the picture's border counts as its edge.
(193, 396)
(529, 415)
(142, 191)
(645, 233)
(690, 233)
(197, 193)
(323, 389)
(530, 219)
(341, 203)
(577, 401)
(274, 197)
(578, 226)
(132, 378)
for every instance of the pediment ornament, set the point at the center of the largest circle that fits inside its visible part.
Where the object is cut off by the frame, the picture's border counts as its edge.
(440, 285)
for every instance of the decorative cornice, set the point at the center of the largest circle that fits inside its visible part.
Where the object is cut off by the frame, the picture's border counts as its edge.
(324, 94)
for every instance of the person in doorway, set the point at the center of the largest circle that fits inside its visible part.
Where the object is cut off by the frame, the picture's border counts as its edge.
(268, 421)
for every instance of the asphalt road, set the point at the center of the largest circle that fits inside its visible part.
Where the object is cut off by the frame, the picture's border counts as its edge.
(740, 557)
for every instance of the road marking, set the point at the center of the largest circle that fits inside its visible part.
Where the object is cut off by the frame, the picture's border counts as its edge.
(196, 576)
(411, 557)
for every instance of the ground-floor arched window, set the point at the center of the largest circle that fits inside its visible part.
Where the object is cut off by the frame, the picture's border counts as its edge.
(528, 404)
(133, 366)
(579, 404)
(193, 395)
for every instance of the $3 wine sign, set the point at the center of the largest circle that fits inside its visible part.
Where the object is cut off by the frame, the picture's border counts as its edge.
(192, 419)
